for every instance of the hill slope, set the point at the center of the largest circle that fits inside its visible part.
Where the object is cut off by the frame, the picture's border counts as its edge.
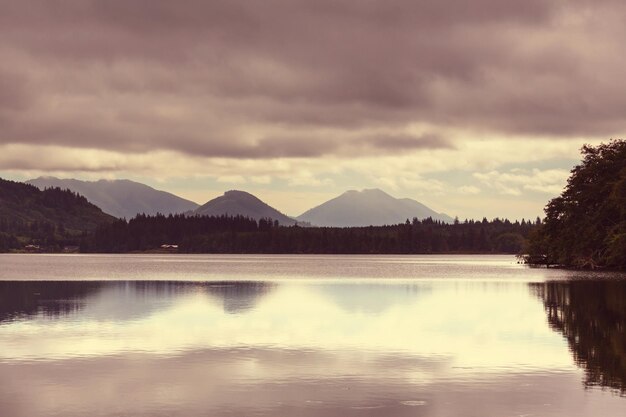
(245, 204)
(29, 215)
(368, 208)
(121, 198)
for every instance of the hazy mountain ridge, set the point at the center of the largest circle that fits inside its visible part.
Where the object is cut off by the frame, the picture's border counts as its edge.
(125, 198)
(121, 198)
(372, 207)
(236, 202)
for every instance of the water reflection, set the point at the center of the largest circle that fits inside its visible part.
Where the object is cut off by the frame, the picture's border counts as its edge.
(238, 296)
(28, 298)
(477, 327)
(120, 300)
(359, 336)
(373, 298)
(592, 317)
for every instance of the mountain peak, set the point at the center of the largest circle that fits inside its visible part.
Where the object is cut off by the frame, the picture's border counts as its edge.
(238, 193)
(377, 192)
(368, 207)
(237, 202)
(367, 192)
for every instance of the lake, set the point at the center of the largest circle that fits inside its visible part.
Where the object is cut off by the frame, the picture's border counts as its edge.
(247, 335)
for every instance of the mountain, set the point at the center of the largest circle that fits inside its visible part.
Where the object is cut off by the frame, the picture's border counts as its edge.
(368, 208)
(52, 217)
(121, 198)
(245, 204)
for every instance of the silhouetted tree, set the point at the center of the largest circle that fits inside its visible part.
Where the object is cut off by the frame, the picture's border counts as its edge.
(585, 227)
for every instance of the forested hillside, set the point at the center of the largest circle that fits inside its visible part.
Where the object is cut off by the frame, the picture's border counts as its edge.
(120, 198)
(51, 218)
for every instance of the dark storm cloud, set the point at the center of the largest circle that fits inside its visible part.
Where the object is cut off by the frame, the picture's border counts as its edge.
(296, 78)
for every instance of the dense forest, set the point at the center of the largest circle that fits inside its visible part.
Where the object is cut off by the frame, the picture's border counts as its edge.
(223, 234)
(52, 218)
(585, 227)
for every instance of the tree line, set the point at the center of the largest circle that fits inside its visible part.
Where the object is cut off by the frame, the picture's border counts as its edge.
(237, 234)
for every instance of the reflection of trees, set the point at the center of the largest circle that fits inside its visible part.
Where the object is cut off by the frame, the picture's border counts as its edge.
(117, 299)
(28, 298)
(592, 316)
(239, 296)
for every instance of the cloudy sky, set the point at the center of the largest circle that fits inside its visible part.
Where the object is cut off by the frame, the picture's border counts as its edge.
(476, 108)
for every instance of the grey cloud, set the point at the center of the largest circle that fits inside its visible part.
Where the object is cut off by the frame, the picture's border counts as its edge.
(55, 163)
(325, 144)
(140, 75)
(404, 142)
(15, 94)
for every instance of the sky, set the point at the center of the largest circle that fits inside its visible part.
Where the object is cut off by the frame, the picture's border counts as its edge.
(475, 108)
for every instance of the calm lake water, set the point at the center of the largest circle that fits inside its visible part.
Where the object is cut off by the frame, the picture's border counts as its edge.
(215, 335)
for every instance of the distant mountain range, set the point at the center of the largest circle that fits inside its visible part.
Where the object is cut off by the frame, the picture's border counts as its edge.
(368, 208)
(121, 198)
(245, 204)
(125, 198)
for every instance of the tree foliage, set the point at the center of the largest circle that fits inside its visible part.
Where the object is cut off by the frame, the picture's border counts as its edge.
(585, 227)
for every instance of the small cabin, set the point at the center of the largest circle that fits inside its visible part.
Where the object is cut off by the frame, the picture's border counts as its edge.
(168, 247)
(32, 248)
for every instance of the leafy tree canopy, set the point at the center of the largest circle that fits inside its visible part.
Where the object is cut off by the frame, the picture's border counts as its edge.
(585, 227)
